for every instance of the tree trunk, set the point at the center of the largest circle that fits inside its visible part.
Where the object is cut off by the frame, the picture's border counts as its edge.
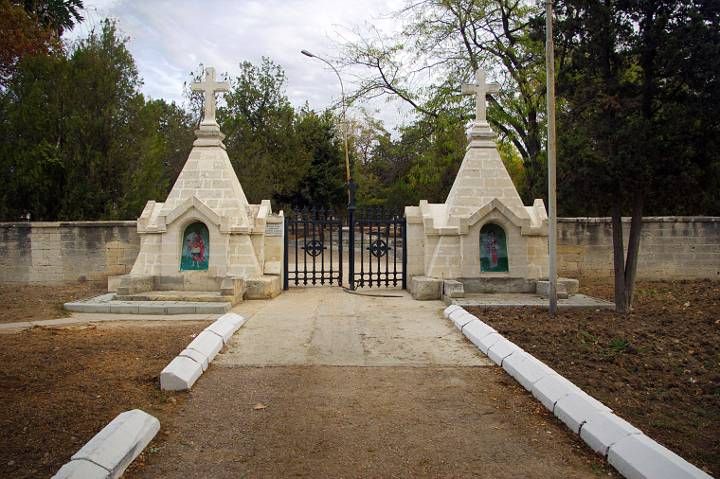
(633, 249)
(619, 260)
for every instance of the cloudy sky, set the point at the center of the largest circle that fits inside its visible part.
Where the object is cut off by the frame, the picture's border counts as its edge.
(168, 39)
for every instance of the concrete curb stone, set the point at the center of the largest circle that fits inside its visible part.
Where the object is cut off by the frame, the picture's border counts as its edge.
(180, 374)
(81, 469)
(603, 429)
(487, 341)
(114, 447)
(626, 448)
(551, 388)
(461, 318)
(575, 408)
(207, 343)
(639, 457)
(501, 350)
(450, 309)
(195, 356)
(477, 330)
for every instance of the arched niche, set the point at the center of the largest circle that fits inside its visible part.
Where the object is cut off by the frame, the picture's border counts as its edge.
(195, 253)
(493, 249)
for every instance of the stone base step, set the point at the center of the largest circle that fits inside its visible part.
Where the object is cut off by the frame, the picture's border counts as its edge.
(193, 296)
(107, 303)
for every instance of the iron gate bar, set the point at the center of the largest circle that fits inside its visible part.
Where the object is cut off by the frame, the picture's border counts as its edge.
(315, 260)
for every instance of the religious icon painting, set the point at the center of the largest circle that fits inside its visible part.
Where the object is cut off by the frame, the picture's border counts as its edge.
(493, 249)
(195, 248)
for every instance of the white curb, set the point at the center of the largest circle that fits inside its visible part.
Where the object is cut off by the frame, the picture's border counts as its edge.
(639, 457)
(111, 451)
(501, 350)
(627, 449)
(182, 372)
(476, 330)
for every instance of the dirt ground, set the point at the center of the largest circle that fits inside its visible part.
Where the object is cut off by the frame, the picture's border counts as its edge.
(59, 387)
(36, 302)
(338, 421)
(658, 367)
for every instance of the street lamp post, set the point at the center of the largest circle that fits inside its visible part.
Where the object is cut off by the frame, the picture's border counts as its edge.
(342, 93)
(351, 185)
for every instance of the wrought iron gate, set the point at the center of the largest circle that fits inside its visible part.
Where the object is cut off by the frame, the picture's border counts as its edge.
(313, 248)
(372, 241)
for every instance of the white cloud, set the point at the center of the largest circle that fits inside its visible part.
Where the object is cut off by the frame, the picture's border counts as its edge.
(170, 38)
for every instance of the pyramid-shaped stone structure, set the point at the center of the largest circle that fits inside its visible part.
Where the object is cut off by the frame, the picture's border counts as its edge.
(206, 236)
(483, 210)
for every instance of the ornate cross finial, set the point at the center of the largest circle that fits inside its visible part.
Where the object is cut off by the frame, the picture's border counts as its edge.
(481, 90)
(209, 87)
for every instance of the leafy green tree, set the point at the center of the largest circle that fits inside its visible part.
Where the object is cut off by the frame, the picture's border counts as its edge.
(444, 42)
(631, 86)
(258, 120)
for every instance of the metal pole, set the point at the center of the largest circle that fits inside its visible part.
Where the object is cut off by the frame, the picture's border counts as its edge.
(551, 153)
(344, 107)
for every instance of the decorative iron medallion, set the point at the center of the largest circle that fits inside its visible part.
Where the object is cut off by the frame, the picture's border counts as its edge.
(378, 248)
(313, 248)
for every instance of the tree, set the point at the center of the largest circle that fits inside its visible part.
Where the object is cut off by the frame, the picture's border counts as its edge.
(442, 44)
(629, 79)
(258, 120)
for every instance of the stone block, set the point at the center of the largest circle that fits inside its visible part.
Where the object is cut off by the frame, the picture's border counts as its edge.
(476, 330)
(82, 307)
(179, 308)
(603, 429)
(124, 308)
(273, 267)
(639, 457)
(113, 283)
(266, 287)
(498, 285)
(233, 288)
(542, 289)
(551, 388)
(575, 408)
(450, 309)
(572, 285)
(486, 342)
(453, 289)
(196, 356)
(526, 369)
(180, 374)
(233, 318)
(423, 288)
(207, 343)
(224, 329)
(212, 308)
(151, 309)
(130, 284)
(501, 350)
(81, 469)
(120, 442)
(461, 317)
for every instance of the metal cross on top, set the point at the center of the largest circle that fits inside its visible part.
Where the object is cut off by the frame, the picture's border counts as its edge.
(209, 87)
(481, 89)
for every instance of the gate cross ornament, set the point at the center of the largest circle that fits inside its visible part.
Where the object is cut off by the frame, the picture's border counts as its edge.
(209, 87)
(480, 89)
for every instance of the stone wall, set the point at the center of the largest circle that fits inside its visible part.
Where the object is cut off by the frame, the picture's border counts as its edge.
(671, 247)
(66, 251)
